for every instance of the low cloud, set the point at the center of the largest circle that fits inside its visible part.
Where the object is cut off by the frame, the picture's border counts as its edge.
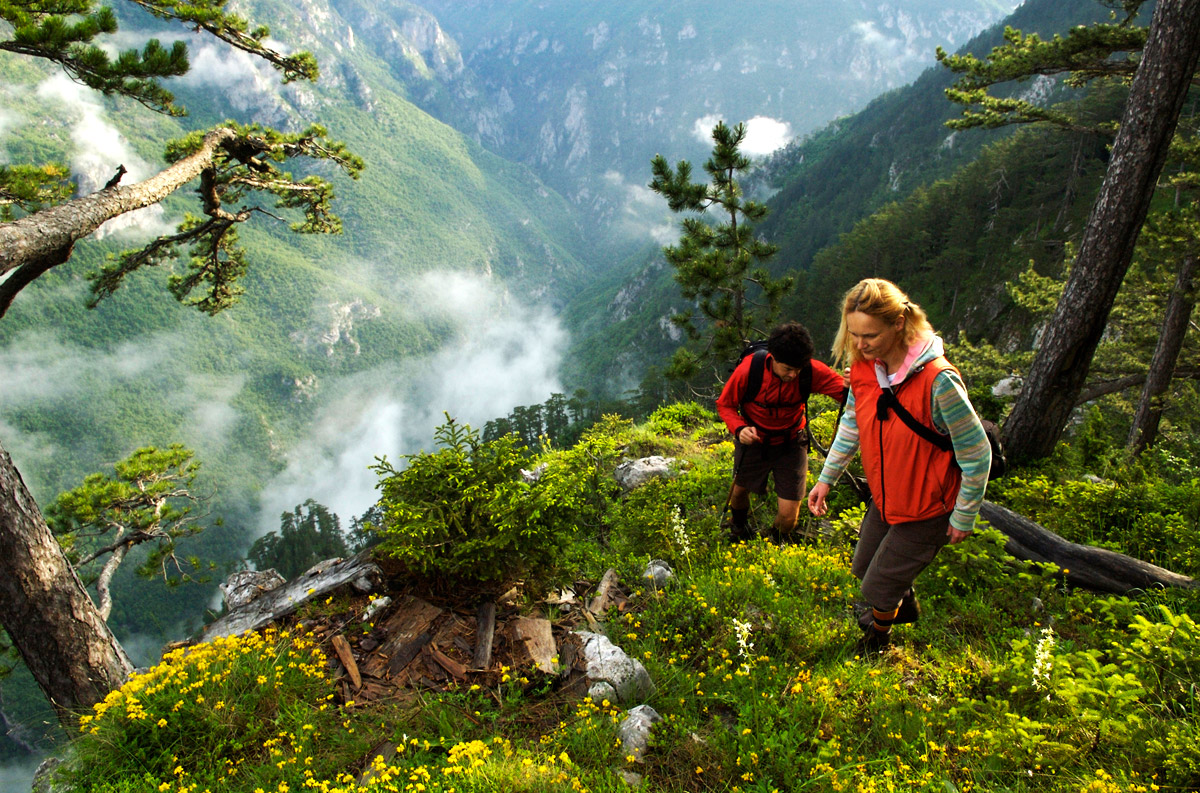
(702, 127)
(8, 120)
(43, 370)
(18, 775)
(247, 83)
(764, 135)
(99, 149)
(643, 213)
(502, 354)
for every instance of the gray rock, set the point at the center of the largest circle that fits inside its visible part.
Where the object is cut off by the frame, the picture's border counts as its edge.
(609, 664)
(44, 779)
(634, 473)
(1008, 387)
(659, 573)
(535, 474)
(246, 585)
(375, 606)
(630, 778)
(601, 691)
(634, 731)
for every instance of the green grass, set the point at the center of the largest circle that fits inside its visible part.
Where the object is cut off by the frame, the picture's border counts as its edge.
(1010, 681)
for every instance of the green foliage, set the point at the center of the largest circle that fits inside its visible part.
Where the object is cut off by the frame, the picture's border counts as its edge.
(241, 166)
(1147, 518)
(1008, 682)
(1086, 53)
(558, 421)
(721, 267)
(679, 418)
(149, 500)
(308, 534)
(29, 187)
(466, 515)
(198, 716)
(64, 32)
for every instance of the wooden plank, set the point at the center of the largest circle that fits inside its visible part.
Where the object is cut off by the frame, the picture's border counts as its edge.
(538, 638)
(457, 670)
(407, 631)
(603, 598)
(485, 632)
(342, 648)
(404, 655)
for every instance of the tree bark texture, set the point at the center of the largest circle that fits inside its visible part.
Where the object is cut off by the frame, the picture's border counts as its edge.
(50, 233)
(1162, 362)
(1151, 113)
(47, 612)
(1092, 568)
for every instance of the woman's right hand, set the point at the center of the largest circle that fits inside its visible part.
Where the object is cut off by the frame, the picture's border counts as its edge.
(816, 499)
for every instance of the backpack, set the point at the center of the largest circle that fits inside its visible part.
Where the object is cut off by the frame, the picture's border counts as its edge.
(999, 464)
(758, 366)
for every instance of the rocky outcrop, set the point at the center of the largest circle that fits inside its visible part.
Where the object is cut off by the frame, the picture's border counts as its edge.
(635, 473)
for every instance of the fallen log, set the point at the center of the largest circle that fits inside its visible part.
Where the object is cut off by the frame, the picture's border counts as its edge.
(1086, 566)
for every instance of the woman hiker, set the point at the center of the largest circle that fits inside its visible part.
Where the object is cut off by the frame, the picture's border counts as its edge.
(921, 496)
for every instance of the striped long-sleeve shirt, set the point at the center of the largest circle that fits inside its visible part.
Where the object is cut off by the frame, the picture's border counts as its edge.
(953, 415)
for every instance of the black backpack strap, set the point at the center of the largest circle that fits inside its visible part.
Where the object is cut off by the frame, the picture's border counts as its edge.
(758, 364)
(888, 400)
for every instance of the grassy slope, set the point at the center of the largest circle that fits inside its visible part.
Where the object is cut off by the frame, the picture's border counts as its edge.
(1009, 681)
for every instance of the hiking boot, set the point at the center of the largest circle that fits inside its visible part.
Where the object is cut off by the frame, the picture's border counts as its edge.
(910, 610)
(742, 533)
(873, 642)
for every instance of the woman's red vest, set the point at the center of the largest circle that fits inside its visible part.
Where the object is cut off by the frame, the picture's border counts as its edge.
(910, 478)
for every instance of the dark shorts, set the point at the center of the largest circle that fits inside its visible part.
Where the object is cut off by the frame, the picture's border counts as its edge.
(786, 462)
(889, 557)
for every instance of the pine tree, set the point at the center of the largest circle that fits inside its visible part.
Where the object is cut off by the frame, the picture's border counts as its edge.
(44, 607)
(719, 266)
(1161, 72)
(307, 535)
(149, 500)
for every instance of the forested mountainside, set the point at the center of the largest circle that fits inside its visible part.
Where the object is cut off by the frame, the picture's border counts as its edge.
(821, 185)
(443, 241)
(586, 94)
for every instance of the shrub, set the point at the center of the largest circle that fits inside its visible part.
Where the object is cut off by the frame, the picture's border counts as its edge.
(466, 515)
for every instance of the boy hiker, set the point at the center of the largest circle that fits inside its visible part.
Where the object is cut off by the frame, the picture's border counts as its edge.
(763, 405)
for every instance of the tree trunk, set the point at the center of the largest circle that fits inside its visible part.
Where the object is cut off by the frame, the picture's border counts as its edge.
(1162, 363)
(50, 233)
(1151, 113)
(47, 612)
(1092, 568)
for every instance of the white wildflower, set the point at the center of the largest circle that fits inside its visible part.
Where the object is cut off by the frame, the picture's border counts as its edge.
(1043, 661)
(679, 531)
(745, 646)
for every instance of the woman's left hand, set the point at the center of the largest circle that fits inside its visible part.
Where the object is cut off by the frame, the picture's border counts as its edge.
(955, 535)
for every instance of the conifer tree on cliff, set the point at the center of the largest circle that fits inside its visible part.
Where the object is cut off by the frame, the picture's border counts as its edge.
(1164, 72)
(43, 606)
(720, 266)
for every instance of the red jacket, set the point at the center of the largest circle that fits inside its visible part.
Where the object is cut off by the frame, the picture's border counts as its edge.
(910, 478)
(777, 407)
